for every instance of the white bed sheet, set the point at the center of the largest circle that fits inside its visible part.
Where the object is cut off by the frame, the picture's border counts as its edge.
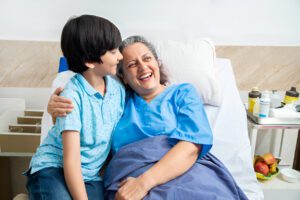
(229, 125)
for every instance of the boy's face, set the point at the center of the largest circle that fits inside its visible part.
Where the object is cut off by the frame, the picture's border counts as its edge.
(109, 63)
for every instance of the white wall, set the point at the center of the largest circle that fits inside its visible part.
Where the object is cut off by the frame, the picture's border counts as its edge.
(227, 22)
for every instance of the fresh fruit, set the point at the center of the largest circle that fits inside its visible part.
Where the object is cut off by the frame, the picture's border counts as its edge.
(257, 158)
(261, 167)
(263, 170)
(273, 168)
(269, 158)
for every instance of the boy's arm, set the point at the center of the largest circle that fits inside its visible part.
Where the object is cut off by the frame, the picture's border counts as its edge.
(72, 164)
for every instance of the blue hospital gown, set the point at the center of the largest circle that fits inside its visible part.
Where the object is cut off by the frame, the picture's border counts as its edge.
(177, 112)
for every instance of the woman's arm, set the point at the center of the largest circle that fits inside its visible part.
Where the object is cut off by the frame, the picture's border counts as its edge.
(175, 163)
(72, 164)
(59, 106)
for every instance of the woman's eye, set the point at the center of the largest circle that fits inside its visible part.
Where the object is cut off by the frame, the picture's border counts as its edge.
(147, 58)
(130, 65)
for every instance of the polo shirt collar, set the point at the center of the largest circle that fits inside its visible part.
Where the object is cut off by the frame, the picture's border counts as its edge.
(88, 88)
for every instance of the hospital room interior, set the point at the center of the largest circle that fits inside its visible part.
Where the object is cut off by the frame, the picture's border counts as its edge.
(243, 58)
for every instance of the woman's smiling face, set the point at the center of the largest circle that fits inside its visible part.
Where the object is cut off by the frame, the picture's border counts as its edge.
(141, 70)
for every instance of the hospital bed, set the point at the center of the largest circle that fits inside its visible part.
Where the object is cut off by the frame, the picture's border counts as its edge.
(227, 117)
(229, 124)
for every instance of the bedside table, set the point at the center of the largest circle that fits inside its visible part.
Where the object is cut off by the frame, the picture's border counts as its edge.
(254, 127)
(278, 189)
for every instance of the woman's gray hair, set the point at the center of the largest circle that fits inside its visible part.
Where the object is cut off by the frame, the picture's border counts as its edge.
(139, 39)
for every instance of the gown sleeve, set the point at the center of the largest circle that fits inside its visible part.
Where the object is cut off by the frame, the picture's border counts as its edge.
(192, 121)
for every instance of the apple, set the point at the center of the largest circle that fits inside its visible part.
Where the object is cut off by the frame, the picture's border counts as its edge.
(269, 158)
(262, 168)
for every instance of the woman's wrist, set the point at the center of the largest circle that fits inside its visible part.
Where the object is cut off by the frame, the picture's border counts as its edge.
(147, 181)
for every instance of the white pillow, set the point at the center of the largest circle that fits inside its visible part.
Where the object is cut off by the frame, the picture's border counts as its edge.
(192, 62)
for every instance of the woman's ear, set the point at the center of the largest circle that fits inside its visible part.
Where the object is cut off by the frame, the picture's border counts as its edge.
(90, 65)
(124, 79)
(121, 75)
(159, 62)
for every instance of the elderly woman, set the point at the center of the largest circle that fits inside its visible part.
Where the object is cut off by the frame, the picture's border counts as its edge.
(160, 145)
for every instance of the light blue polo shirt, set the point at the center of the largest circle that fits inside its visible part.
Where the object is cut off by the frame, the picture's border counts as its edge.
(94, 116)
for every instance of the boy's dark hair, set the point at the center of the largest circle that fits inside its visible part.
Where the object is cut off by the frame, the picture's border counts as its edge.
(86, 38)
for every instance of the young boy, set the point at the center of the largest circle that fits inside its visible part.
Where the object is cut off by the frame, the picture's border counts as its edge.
(67, 164)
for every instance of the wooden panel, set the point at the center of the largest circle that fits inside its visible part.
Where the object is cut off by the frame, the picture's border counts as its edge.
(29, 120)
(265, 67)
(18, 165)
(36, 113)
(28, 64)
(5, 180)
(25, 128)
(297, 154)
(34, 64)
(17, 143)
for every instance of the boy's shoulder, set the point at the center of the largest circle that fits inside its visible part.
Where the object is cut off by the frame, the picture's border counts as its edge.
(73, 84)
(115, 80)
(73, 88)
(116, 83)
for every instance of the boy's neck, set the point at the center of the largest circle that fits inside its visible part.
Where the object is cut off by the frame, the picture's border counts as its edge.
(96, 81)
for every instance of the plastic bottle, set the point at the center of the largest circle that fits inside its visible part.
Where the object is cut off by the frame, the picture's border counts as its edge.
(264, 105)
(252, 95)
(291, 96)
(275, 99)
(256, 107)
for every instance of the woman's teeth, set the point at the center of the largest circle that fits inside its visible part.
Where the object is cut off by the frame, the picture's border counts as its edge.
(145, 76)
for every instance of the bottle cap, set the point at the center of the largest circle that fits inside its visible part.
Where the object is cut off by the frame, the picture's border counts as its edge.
(255, 89)
(293, 89)
(254, 93)
(292, 92)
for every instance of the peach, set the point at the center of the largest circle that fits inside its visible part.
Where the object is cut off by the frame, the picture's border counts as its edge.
(269, 158)
(262, 168)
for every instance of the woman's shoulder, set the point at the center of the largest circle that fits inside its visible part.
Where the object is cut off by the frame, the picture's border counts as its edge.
(184, 91)
(183, 87)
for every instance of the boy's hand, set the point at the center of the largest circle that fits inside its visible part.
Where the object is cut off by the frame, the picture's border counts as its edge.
(59, 106)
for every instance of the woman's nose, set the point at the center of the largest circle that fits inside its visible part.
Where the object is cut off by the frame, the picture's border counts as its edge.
(142, 66)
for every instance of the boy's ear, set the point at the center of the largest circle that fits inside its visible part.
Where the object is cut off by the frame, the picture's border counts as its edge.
(90, 65)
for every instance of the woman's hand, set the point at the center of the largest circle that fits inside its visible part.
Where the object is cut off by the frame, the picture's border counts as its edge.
(59, 106)
(132, 188)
